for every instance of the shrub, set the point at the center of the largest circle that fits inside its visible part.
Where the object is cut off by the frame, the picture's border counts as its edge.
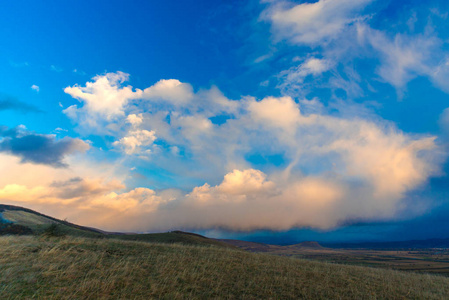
(13, 229)
(53, 230)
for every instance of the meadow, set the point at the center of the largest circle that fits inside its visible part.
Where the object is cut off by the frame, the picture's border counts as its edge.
(99, 268)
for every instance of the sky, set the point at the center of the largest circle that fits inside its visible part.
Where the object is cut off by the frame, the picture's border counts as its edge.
(275, 121)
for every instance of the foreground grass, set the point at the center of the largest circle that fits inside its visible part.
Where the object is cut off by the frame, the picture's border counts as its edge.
(77, 268)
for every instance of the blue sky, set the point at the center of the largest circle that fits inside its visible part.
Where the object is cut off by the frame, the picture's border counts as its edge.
(265, 120)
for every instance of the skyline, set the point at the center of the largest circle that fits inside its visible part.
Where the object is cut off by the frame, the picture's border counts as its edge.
(323, 120)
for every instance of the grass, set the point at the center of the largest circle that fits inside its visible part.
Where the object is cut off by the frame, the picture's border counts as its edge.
(41, 224)
(82, 268)
(178, 237)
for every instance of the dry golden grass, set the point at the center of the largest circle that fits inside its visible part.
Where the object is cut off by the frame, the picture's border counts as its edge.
(75, 268)
(26, 218)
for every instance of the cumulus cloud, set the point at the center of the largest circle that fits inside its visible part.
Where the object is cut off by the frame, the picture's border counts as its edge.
(336, 168)
(35, 88)
(134, 120)
(312, 23)
(103, 99)
(171, 90)
(244, 200)
(39, 148)
(136, 140)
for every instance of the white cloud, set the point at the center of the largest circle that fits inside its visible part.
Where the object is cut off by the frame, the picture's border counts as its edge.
(405, 57)
(312, 23)
(35, 87)
(103, 100)
(440, 74)
(136, 140)
(276, 112)
(134, 120)
(171, 90)
(337, 168)
(293, 78)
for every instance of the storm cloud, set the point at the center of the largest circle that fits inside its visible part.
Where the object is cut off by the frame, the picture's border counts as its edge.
(39, 148)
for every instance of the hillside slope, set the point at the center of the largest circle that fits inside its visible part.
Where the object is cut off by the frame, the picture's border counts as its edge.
(80, 268)
(33, 222)
(38, 223)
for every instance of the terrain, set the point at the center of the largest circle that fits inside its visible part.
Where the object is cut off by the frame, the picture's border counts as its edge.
(427, 260)
(27, 221)
(43, 257)
(87, 268)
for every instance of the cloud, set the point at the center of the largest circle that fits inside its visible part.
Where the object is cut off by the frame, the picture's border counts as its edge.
(55, 68)
(136, 140)
(312, 23)
(404, 57)
(171, 90)
(11, 103)
(39, 148)
(134, 120)
(19, 64)
(79, 72)
(344, 36)
(35, 87)
(336, 167)
(103, 99)
(440, 74)
(293, 78)
(337, 170)
(59, 130)
(244, 200)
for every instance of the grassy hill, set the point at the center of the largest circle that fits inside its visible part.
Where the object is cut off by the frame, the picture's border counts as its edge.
(37, 223)
(27, 221)
(80, 268)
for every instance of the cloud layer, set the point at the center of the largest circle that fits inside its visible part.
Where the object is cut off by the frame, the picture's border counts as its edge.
(334, 168)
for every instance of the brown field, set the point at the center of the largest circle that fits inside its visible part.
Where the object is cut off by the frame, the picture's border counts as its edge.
(433, 261)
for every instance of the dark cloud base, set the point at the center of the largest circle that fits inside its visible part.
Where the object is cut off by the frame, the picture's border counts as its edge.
(39, 148)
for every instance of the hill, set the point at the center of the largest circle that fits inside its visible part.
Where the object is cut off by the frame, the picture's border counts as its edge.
(20, 220)
(81, 268)
(34, 222)
(259, 247)
(306, 245)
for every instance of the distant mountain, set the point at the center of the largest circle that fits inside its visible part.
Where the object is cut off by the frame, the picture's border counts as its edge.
(306, 245)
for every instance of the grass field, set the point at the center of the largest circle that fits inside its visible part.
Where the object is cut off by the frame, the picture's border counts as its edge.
(422, 261)
(433, 261)
(81, 268)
